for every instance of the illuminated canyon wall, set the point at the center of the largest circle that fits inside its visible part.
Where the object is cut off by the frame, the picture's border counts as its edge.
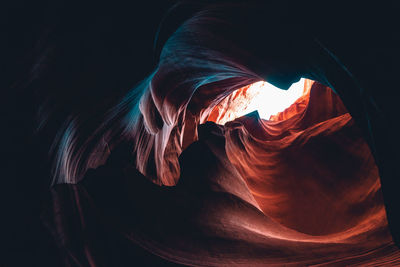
(300, 189)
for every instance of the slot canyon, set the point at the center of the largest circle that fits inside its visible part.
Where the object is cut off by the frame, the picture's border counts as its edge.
(136, 141)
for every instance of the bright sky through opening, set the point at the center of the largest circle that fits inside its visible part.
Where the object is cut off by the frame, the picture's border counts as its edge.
(269, 100)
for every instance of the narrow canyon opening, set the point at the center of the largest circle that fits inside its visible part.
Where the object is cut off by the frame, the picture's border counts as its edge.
(261, 97)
